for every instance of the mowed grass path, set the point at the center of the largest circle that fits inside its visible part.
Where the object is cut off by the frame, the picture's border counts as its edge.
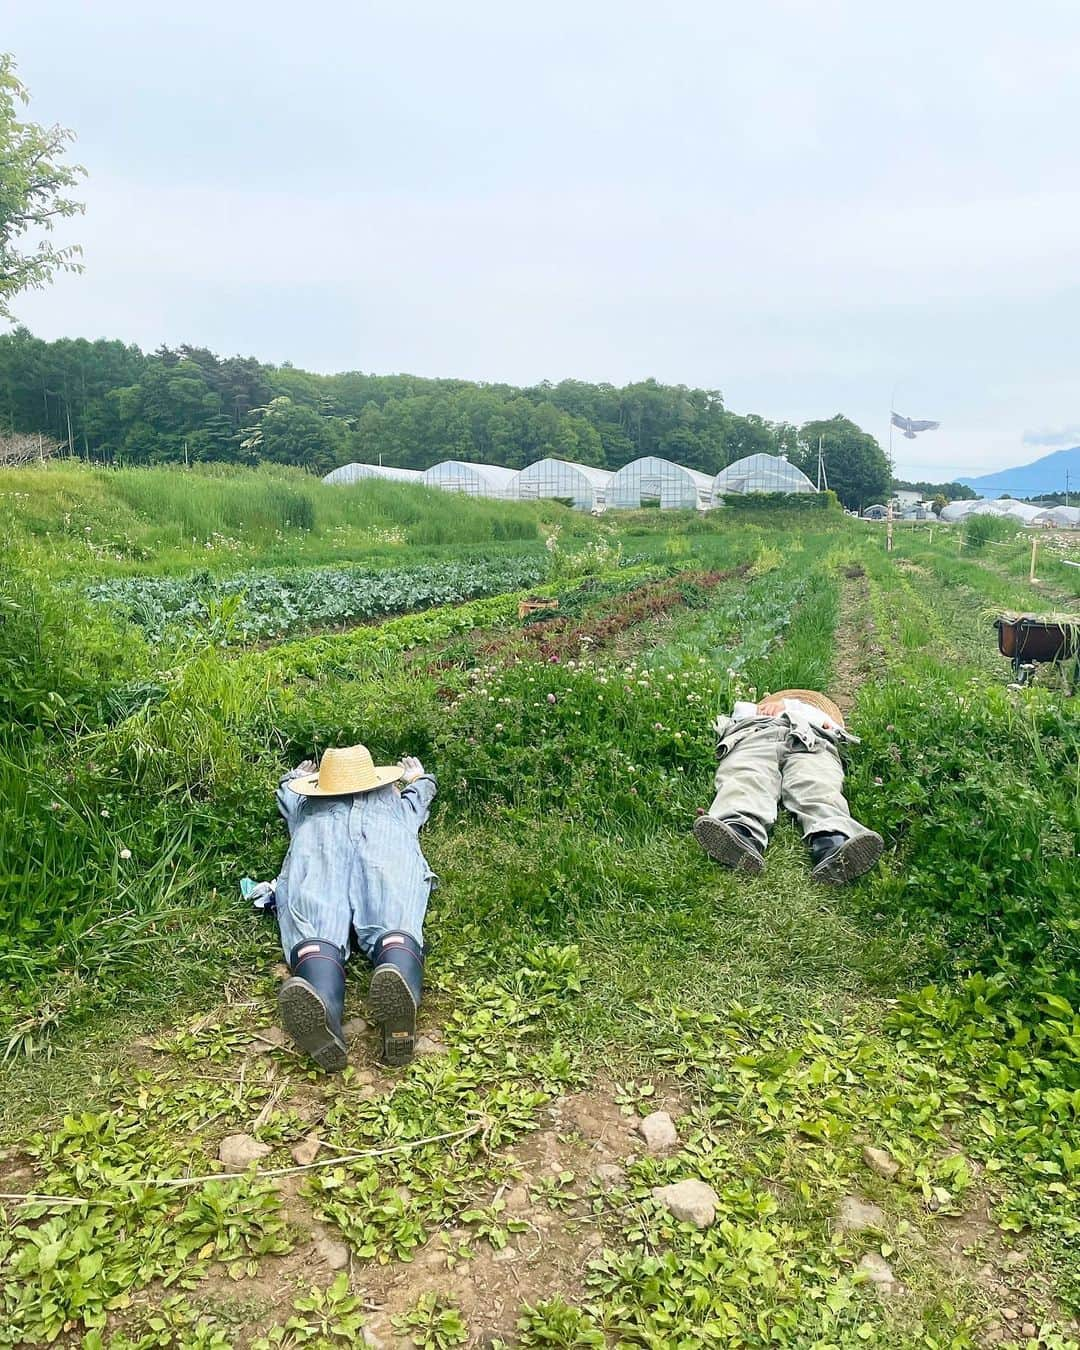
(583, 947)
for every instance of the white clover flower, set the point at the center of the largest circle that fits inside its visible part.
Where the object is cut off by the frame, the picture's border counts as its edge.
(125, 853)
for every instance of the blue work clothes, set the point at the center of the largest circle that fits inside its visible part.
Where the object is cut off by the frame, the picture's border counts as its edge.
(354, 865)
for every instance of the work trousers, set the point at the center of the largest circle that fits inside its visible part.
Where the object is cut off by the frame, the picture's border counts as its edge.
(764, 762)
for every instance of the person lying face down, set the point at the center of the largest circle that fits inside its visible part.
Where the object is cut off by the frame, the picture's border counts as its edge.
(784, 749)
(354, 871)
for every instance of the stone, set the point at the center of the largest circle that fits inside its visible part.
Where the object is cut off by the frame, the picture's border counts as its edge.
(355, 1026)
(1029, 1330)
(428, 1045)
(689, 1201)
(856, 1214)
(333, 1254)
(238, 1151)
(658, 1131)
(1009, 1314)
(608, 1175)
(305, 1152)
(880, 1162)
(372, 1341)
(1015, 1258)
(517, 1199)
(266, 1039)
(879, 1273)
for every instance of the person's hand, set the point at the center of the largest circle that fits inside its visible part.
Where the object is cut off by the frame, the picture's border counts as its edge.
(411, 768)
(771, 707)
(306, 766)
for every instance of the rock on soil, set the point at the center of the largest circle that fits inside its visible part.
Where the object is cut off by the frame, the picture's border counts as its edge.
(880, 1162)
(517, 1199)
(609, 1175)
(238, 1151)
(658, 1131)
(856, 1214)
(428, 1045)
(334, 1254)
(304, 1153)
(880, 1274)
(266, 1039)
(355, 1026)
(689, 1201)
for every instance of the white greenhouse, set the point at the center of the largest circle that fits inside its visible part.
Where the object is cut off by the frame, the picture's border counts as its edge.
(1021, 512)
(1067, 516)
(478, 480)
(353, 473)
(652, 481)
(582, 484)
(761, 473)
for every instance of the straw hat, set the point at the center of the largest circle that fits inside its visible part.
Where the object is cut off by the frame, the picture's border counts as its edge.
(816, 700)
(343, 771)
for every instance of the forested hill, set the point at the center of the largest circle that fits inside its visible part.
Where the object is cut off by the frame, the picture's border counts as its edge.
(114, 402)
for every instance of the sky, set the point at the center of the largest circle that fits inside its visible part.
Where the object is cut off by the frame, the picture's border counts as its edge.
(818, 207)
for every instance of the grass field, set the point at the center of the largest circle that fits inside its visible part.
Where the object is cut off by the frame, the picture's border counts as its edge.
(588, 964)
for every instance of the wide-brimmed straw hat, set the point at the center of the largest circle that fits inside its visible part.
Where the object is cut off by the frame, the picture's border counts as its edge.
(816, 700)
(344, 770)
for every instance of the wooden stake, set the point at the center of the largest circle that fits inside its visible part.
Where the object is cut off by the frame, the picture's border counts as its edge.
(1034, 547)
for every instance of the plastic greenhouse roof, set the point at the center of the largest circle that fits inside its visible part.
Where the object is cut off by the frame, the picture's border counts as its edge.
(494, 473)
(762, 473)
(597, 477)
(353, 473)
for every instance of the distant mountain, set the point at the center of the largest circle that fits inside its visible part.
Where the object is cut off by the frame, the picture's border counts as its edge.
(1031, 480)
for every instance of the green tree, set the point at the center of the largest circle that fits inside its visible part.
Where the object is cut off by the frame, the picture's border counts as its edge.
(288, 433)
(939, 504)
(857, 468)
(33, 186)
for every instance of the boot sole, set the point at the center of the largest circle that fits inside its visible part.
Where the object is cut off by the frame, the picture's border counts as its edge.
(850, 860)
(724, 846)
(303, 1015)
(395, 1013)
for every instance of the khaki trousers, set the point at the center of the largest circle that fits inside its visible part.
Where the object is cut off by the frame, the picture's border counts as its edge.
(764, 762)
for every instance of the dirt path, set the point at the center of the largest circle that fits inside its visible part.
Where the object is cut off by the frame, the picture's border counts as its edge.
(858, 652)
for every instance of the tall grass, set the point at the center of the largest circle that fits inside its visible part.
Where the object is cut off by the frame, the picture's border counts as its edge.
(96, 518)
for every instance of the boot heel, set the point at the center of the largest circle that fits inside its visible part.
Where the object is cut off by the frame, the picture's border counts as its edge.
(395, 1011)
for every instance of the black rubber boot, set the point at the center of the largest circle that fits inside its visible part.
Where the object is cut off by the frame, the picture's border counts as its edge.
(838, 859)
(395, 993)
(312, 1000)
(729, 842)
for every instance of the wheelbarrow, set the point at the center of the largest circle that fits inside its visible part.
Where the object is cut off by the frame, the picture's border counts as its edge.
(1028, 640)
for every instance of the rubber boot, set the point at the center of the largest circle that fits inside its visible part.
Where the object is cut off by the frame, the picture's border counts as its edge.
(312, 1000)
(395, 993)
(838, 858)
(729, 842)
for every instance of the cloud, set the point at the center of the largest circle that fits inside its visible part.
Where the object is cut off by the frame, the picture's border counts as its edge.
(1054, 436)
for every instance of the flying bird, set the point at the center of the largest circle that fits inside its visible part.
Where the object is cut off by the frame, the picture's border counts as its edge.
(910, 425)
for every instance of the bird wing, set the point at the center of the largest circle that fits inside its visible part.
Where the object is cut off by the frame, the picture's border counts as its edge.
(923, 426)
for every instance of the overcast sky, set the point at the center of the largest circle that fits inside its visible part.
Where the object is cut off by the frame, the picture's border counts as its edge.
(805, 205)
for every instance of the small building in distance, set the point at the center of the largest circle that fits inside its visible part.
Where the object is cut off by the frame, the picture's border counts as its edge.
(353, 473)
(652, 481)
(583, 485)
(760, 473)
(478, 480)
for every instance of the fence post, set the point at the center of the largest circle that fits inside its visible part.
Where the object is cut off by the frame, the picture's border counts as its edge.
(1034, 547)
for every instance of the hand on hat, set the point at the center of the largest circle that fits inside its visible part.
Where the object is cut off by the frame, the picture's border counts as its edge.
(411, 768)
(306, 766)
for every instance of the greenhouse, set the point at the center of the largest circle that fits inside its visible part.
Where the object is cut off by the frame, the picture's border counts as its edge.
(353, 473)
(761, 473)
(478, 480)
(581, 484)
(651, 481)
(1021, 512)
(1067, 516)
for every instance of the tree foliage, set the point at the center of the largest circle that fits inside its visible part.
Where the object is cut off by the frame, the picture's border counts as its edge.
(857, 468)
(34, 182)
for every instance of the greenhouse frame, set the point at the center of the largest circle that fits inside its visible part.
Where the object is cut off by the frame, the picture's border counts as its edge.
(478, 480)
(652, 481)
(353, 473)
(582, 484)
(761, 473)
